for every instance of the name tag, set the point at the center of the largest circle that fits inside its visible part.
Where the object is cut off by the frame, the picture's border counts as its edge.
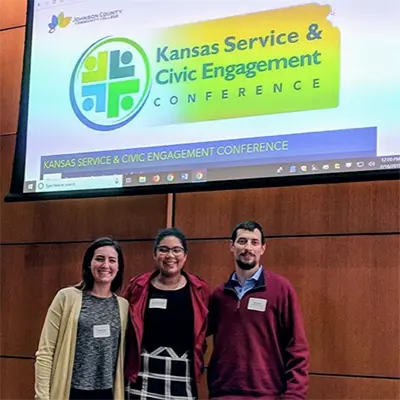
(257, 304)
(101, 331)
(158, 303)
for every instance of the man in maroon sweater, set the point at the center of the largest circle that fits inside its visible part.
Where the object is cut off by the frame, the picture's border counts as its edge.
(260, 347)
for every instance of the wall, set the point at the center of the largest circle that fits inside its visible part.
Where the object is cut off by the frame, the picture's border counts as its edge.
(338, 244)
(42, 243)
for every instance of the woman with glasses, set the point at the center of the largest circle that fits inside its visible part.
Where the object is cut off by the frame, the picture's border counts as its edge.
(168, 323)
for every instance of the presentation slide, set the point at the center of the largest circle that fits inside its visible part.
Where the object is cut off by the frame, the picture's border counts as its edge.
(133, 93)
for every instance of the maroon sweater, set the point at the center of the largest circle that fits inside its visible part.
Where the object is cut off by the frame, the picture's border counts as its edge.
(258, 354)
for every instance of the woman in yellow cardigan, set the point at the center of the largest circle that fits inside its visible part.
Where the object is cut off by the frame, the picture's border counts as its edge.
(82, 344)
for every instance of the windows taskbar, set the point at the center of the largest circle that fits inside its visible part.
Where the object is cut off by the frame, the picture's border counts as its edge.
(215, 174)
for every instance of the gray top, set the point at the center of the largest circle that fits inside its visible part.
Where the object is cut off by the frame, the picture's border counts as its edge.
(97, 343)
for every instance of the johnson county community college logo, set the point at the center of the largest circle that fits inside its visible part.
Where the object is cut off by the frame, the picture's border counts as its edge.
(110, 83)
(62, 22)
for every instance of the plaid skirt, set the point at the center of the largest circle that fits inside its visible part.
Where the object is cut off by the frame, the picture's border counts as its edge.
(163, 376)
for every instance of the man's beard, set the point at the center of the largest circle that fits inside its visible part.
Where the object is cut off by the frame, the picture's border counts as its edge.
(245, 266)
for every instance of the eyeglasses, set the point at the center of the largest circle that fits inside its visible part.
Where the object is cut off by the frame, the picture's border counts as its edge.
(176, 251)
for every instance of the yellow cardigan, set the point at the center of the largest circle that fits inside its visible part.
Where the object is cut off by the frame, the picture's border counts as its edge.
(56, 352)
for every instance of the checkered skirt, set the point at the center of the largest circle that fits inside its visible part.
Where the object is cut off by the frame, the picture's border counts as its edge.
(164, 376)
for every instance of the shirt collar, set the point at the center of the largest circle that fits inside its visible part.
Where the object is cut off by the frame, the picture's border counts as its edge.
(255, 277)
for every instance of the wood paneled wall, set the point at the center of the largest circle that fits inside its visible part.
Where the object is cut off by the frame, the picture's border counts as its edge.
(339, 244)
(42, 243)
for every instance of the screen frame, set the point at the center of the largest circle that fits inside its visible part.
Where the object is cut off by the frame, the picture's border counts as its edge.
(16, 193)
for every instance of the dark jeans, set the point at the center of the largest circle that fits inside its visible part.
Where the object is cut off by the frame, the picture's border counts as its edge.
(77, 394)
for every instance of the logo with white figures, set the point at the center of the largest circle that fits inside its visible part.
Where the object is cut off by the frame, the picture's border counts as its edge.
(110, 83)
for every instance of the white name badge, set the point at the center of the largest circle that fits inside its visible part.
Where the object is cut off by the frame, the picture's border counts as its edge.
(257, 304)
(158, 303)
(101, 331)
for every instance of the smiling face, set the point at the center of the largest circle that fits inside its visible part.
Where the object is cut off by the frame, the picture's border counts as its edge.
(104, 265)
(247, 249)
(170, 256)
